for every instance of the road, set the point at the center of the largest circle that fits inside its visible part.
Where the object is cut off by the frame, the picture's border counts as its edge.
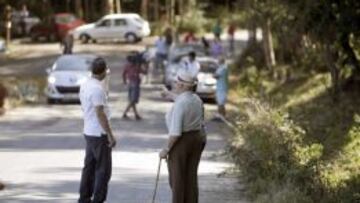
(42, 149)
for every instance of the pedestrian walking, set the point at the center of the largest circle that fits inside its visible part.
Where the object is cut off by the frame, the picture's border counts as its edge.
(24, 13)
(3, 95)
(186, 141)
(231, 37)
(162, 49)
(205, 44)
(67, 43)
(217, 49)
(98, 135)
(221, 75)
(131, 78)
(217, 30)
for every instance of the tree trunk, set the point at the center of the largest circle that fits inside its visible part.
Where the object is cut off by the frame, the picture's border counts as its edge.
(252, 33)
(268, 45)
(144, 8)
(86, 10)
(172, 12)
(79, 9)
(118, 6)
(156, 10)
(181, 7)
(108, 7)
(334, 70)
(351, 56)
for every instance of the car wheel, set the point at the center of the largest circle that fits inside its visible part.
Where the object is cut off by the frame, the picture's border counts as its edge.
(51, 101)
(85, 38)
(51, 38)
(34, 37)
(131, 38)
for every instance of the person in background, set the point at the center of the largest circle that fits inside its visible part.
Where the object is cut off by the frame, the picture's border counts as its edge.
(24, 13)
(231, 36)
(68, 43)
(3, 95)
(217, 49)
(190, 38)
(186, 141)
(192, 65)
(206, 45)
(217, 30)
(221, 75)
(162, 49)
(131, 78)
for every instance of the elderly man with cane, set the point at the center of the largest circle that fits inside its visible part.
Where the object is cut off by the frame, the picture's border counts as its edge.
(186, 140)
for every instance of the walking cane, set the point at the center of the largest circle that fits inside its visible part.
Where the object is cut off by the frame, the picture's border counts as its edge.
(156, 181)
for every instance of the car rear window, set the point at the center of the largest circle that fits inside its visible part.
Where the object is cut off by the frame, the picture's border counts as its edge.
(208, 67)
(73, 64)
(64, 19)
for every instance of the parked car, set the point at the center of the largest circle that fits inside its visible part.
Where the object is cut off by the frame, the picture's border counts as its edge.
(55, 27)
(67, 74)
(130, 27)
(29, 21)
(206, 87)
(176, 56)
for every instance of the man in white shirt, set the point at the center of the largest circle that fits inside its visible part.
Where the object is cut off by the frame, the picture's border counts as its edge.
(98, 135)
(192, 65)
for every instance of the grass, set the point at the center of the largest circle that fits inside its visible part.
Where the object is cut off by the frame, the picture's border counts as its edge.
(297, 144)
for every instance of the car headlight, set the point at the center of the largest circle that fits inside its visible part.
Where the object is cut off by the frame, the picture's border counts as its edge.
(51, 79)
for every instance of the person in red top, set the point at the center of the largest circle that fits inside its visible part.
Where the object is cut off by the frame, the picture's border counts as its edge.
(131, 78)
(231, 33)
(190, 37)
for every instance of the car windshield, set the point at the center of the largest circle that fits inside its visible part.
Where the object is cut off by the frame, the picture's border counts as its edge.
(180, 51)
(73, 64)
(208, 67)
(64, 19)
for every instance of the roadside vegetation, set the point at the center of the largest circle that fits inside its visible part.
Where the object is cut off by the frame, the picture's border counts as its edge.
(298, 118)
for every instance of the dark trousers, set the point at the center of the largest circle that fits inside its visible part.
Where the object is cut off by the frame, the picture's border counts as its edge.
(183, 165)
(97, 170)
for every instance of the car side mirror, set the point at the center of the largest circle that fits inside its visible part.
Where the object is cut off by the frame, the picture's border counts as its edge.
(48, 70)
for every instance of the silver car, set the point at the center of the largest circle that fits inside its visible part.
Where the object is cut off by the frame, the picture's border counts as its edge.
(67, 74)
(206, 87)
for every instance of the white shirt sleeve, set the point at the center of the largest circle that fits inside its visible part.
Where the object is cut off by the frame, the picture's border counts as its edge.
(176, 120)
(98, 97)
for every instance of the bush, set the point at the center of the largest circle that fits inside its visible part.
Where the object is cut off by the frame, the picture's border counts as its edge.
(192, 21)
(305, 149)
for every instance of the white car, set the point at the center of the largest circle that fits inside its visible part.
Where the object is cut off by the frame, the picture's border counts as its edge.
(206, 87)
(67, 74)
(130, 27)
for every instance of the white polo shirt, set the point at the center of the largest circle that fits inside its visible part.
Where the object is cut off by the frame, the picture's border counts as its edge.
(193, 67)
(92, 94)
(185, 115)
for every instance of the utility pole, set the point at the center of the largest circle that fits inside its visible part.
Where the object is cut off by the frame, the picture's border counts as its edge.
(8, 26)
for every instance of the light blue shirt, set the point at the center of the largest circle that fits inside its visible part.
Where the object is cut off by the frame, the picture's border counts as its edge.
(222, 80)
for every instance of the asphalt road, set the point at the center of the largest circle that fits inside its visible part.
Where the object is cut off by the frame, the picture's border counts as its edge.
(42, 149)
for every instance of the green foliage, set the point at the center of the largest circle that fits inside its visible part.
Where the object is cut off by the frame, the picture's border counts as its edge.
(304, 145)
(193, 21)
